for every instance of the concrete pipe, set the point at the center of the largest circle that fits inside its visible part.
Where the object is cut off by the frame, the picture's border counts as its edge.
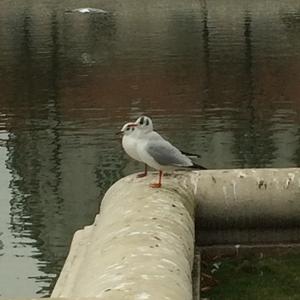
(141, 245)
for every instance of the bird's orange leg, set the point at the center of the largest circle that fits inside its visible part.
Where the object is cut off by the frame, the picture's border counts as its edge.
(143, 174)
(157, 185)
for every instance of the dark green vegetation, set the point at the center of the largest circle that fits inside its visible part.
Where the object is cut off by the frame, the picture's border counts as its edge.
(274, 278)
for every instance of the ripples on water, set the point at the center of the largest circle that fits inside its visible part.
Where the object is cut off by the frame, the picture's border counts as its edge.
(221, 79)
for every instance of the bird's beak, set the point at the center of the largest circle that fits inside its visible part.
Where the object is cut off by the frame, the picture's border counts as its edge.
(121, 131)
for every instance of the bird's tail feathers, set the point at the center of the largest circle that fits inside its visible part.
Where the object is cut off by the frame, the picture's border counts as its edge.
(193, 155)
(198, 167)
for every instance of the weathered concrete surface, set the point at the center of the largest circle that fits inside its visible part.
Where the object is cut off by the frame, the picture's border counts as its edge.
(140, 247)
(247, 206)
(248, 198)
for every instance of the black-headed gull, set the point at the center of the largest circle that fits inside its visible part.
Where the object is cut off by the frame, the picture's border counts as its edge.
(145, 125)
(132, 131)
(158, 153)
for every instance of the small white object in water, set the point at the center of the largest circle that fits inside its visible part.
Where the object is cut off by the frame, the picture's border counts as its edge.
(142, 296)
(87, 10)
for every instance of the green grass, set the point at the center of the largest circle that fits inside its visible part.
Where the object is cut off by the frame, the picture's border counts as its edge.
(274, 278)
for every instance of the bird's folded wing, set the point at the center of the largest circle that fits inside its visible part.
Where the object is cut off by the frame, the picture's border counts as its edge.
(166, 154)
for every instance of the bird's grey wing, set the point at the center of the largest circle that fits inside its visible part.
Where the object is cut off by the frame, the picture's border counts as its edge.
(156, 136)
(166, 154)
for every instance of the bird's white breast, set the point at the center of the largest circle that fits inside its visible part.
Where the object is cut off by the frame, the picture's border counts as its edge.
(129, 144)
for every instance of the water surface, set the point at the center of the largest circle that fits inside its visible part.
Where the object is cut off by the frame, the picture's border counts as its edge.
(219, 78)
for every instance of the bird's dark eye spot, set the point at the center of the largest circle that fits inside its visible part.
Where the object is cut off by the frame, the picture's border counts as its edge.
(142, 121)
(128, 128)
(132, 128)
(147, 122)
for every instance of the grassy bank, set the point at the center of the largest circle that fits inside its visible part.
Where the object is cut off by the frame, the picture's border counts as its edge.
(252, 278)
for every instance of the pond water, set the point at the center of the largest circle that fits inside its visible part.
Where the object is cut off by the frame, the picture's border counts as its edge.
(220, 78)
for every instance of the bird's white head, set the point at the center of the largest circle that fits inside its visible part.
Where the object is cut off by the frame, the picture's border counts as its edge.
(128, 128)
(145, 124)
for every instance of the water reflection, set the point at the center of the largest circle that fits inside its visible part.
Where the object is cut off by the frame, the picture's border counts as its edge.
(253, 144)
(219, 78)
